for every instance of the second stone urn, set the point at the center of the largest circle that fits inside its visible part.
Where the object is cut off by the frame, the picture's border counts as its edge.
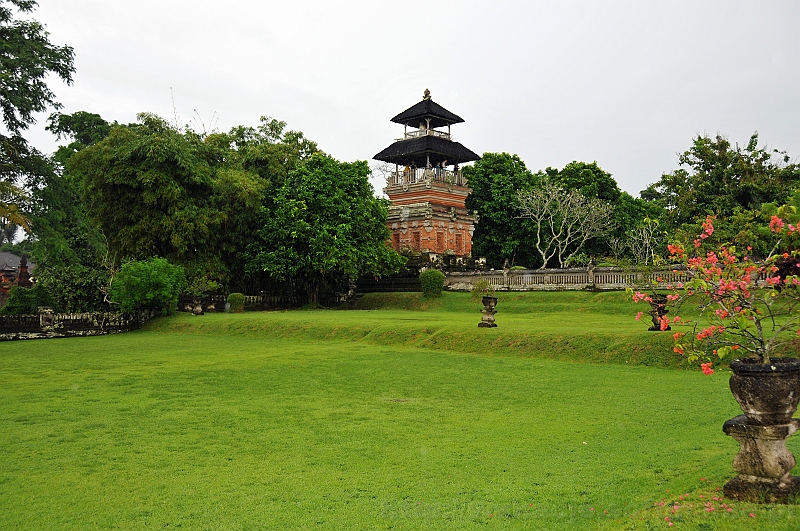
(768, 394)
(487, 320)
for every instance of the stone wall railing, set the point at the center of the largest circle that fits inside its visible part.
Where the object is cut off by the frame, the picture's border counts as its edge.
(49, 325)
(591, 278)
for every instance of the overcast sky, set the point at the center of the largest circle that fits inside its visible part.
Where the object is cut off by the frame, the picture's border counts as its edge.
(627, 84)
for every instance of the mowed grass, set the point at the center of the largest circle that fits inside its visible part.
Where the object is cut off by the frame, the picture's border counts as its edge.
(366, 420)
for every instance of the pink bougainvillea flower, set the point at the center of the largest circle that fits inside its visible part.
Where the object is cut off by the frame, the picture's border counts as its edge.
(708, 225)
(776, 224)
(707, 370)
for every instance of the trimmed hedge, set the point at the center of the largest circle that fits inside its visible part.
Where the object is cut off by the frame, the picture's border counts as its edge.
(432, 281)
(236, 301)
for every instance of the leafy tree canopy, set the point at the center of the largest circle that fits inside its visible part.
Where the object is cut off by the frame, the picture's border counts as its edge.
(154, 190)
(149, 188)
(62, 232)
(84, 128)
(325, 226)
(26, 58)
(717, 178)
(587, 178)
(503, 233)
(500, 234)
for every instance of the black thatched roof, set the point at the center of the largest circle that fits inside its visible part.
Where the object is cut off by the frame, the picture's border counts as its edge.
(417, 150)
(417, 114)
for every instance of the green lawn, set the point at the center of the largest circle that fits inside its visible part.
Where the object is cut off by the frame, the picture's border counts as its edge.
(409, 418)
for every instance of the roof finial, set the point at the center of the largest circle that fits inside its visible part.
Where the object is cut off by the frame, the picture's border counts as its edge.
(426, 95)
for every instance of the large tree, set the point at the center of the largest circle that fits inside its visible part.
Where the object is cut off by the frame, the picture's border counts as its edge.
(628, 213)
(563, 220)
(150, 190)
(717, 178)
(500, 235)
(194, 199)
(26, 59)
(324, 227)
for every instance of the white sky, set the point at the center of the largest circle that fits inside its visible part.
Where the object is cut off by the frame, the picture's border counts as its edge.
(625, 83)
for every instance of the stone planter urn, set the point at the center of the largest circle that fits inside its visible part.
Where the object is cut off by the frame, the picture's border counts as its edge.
(768, 394)
(489, 304)
(197, 307)
(658, 309)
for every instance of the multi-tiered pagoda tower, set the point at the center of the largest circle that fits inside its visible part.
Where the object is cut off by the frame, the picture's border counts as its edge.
(426, 188)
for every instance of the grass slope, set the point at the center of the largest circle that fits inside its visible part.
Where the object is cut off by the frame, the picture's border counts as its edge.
(307, 420)
(574, 326)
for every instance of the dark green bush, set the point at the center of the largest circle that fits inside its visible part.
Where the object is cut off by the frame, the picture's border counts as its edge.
(76, 288)
(236, 301)
(23, 301)
(152, 284)
(432, 281)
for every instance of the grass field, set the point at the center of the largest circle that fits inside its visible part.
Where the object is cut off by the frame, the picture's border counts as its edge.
(402, 415)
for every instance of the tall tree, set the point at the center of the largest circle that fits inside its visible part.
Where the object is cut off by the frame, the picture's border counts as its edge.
(149, 188)
(26, 59)
(324, 227)
(564, 220)
(718, 178)
(500, 234)
(154, 190)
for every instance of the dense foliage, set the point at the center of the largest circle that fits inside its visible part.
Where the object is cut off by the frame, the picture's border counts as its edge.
(27, 58)
(152, 284)
(28, 300)
(500, 235)
(325, 227)
(507, 234)
(729, 182)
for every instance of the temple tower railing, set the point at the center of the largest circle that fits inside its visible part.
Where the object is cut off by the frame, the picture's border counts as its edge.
(417, 133)
(426, 175)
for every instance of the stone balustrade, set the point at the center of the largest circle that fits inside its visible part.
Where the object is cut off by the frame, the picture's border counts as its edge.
(587, 278)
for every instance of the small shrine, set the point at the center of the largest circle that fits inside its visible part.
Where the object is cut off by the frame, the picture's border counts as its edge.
(426, 188)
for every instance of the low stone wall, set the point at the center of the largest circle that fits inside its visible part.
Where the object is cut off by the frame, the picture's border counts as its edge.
(51, 325)
(591, 278)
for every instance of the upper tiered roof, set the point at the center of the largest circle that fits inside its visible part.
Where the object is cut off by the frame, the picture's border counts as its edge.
(424, 144)
(426, 110)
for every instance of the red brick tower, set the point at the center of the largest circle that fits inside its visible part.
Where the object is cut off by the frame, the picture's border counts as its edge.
(426, 188)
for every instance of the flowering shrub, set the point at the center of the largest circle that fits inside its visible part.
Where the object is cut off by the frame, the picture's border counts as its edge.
(745, 307)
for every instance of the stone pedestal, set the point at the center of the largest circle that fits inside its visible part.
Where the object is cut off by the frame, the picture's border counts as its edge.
(763, 461)
(658, 309)
(487, 321)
